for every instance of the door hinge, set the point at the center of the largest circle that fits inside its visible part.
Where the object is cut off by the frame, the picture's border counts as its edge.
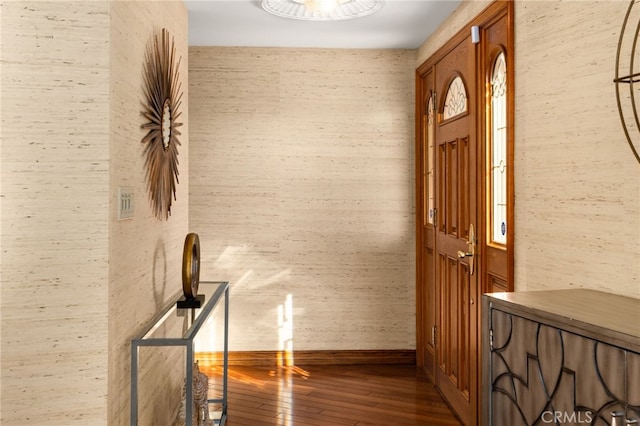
(433, 335)
(491, 340)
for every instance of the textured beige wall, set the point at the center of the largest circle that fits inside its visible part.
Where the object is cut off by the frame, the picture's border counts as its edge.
(54, 66)
(77, 284)
(577, 184)
(145, 254)
(301, 184)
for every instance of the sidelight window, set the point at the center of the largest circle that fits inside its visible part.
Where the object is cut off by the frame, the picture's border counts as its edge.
(498, 152)
(429, 183)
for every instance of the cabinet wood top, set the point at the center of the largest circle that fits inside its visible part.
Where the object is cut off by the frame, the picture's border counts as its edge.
(595, 314)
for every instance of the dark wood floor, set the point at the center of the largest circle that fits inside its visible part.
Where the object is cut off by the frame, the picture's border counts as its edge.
(333, 395)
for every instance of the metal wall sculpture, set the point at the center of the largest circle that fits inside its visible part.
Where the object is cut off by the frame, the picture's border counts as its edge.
(163, 97)
(627, 76)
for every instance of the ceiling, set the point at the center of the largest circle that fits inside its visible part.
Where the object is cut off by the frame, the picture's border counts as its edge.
(399, 24)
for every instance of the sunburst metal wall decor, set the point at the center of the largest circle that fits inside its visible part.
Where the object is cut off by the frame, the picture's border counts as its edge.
(161, 107)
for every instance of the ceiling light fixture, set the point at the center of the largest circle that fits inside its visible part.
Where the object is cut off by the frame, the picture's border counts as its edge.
(321, 10)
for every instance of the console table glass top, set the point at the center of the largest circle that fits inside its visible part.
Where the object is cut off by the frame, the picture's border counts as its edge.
(164, 326)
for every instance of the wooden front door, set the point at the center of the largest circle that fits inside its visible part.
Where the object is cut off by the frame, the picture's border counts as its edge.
(456, 218)
(457, 257)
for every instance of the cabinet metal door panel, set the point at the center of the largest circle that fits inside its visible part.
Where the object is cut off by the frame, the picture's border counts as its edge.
(545, 375)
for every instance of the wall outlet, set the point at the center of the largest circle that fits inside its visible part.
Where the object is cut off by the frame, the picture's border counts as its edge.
(125, 203)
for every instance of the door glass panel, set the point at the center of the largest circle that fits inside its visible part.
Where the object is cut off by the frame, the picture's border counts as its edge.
(498, 153)
(428, 166)
(455, 103)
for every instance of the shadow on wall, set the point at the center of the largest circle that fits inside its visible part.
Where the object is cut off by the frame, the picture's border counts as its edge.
(159, 277)
(261, 312)
(332, 295)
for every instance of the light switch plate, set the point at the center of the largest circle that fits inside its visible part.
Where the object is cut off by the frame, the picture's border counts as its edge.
(125, 203)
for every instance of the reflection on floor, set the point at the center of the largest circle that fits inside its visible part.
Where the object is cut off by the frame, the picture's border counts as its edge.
(332, 395)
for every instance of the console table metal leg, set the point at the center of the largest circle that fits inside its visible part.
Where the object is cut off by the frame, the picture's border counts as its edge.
(134, 384)
(225, 378)
(189, 391)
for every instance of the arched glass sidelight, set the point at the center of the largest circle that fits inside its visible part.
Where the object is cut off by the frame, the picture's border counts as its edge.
(455, 102)
(429, 183)
(498, 153)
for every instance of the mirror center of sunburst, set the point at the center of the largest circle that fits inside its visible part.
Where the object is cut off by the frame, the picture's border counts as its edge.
(166, 123)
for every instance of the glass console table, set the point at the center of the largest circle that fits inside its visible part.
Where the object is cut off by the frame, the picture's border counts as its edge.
(178, 328)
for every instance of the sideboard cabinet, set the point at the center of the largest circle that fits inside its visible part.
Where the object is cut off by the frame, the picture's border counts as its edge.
(560, 357)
